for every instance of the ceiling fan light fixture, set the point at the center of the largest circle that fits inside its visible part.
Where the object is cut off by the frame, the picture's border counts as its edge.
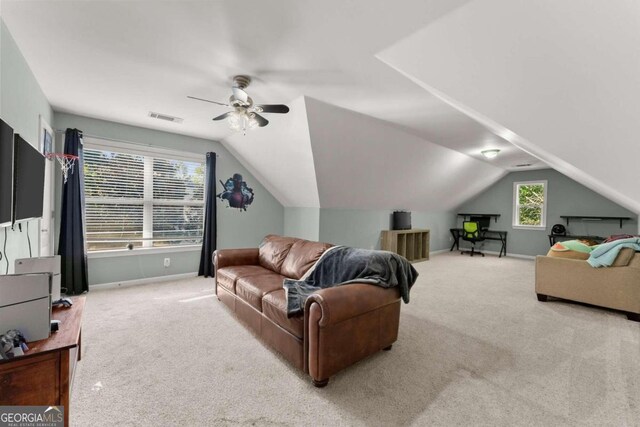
(234, 121)
(490, 154)
(253, 123)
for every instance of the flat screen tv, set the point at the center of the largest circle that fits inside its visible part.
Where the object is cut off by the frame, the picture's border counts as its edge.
(6, 174)
(28, 181)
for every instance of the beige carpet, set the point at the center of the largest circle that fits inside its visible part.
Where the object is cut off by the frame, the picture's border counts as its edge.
(475, 348)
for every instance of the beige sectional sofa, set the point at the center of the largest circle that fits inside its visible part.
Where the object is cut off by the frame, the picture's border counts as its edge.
(611, 287)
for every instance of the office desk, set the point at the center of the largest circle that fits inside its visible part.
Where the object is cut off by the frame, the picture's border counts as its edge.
(498, 235)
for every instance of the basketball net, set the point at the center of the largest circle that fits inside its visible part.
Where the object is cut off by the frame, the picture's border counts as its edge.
(67, 163)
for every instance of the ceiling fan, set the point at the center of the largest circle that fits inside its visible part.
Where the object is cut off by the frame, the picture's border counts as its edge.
(245, 114)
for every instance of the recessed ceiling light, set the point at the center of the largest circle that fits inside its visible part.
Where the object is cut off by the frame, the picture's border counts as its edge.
(490, 154)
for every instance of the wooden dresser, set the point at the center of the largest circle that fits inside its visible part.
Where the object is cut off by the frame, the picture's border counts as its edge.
(43, 376)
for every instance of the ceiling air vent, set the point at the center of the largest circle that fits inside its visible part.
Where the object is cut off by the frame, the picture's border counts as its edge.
(523, 165)
(165, 117)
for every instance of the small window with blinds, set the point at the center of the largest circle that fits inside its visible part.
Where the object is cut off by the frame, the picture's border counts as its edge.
(144, 200)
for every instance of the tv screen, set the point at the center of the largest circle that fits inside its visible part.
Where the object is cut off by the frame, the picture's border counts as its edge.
(6, 174)
(28, 181)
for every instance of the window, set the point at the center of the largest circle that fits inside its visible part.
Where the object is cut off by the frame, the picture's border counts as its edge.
(529, 204)
(149, 199)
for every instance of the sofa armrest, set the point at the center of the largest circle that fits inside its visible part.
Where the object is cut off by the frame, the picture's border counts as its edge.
(346, 301)
(347, 323)
(228, 257)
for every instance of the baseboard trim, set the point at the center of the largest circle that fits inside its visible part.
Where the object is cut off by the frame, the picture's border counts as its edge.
(509, 255)
(144, 281)
(438, 252)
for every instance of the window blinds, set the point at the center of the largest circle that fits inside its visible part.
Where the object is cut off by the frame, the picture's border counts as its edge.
(142, 200)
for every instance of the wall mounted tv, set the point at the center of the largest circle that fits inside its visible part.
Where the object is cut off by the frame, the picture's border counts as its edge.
(28, 181)
(6, 174)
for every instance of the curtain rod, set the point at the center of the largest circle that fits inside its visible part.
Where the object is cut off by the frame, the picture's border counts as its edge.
(63, 131)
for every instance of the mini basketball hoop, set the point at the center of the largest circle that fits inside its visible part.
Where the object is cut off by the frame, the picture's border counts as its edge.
(67, 163)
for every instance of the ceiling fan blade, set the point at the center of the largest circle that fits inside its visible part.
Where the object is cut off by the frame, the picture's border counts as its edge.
(223, 116)
(276, 108)
(206, 100)
(240, 94)
(262, 122)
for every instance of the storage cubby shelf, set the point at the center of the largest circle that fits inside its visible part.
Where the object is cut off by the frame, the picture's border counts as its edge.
(412, 244)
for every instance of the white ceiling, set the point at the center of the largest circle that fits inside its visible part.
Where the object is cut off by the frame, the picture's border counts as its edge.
(366, 163)
(118, 60)
(557, 78)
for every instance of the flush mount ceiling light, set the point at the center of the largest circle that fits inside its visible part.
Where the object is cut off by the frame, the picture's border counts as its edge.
(490, 154)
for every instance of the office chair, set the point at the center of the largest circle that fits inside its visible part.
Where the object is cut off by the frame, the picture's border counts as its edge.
(471, 233)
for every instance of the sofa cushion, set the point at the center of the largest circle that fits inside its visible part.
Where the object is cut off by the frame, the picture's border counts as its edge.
(251, 289)
(228, 276)
(302, 255)
(274, 307)
(273, 250)
(624, 257)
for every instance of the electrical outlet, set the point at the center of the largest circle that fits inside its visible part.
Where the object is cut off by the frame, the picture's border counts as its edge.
(167, 262)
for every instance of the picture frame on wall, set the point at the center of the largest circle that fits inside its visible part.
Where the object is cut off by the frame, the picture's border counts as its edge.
(45, 137)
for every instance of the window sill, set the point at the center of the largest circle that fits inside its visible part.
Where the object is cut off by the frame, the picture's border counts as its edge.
(142, 251)
(530, 227)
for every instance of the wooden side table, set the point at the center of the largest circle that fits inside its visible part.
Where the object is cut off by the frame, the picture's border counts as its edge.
(43, 376)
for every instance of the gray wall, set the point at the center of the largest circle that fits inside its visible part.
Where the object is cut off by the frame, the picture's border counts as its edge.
(22, 102)
(564, 197)
(235, 228)
(361, 228)
(302, 222)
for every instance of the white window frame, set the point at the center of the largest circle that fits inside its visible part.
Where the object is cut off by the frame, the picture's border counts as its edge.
(516, 206)
(93, 143)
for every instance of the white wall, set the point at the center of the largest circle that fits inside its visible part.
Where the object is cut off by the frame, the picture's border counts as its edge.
(366, 163)
(362, 227)
(280, 155)
(22, 102)
(302, 222)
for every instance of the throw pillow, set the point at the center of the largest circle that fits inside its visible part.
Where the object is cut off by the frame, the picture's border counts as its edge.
(572, 245)
(571, 249)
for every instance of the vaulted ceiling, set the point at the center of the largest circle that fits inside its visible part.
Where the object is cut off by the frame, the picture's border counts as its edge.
(381, 96)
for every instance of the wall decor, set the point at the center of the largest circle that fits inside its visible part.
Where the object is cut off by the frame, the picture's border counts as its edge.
(236, 192)
(45, 138)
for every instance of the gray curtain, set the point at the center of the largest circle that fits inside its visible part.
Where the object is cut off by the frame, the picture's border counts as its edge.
(210, 226)
(71, 248)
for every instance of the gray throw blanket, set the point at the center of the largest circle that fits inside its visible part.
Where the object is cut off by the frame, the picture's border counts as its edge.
(342, 265)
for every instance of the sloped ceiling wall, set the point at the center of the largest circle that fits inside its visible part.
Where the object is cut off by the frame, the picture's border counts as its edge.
(558, 79)
(280, 156)
(330, 157)
(366, 163)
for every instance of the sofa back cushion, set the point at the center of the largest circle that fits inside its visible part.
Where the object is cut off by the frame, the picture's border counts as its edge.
(273, 250)
(624, 257)
(301, 257)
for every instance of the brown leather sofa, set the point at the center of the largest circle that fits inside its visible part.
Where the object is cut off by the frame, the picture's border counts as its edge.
(340, 325)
